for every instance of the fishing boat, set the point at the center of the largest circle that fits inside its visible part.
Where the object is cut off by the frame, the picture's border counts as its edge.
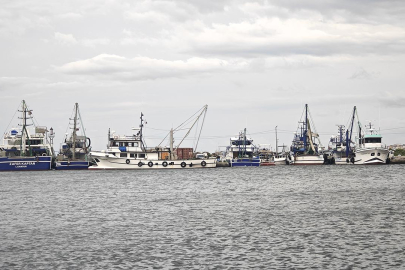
(369, 149)
(131, 151)
(75, 150)
(341, 146)
(281, 158)
(241, 152)
(266, 156)
(26, 148)
(306, 146)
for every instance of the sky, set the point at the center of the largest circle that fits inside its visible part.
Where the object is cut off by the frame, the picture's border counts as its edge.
(254, 63)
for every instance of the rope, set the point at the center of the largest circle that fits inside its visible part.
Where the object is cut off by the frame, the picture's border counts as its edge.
(5, 131)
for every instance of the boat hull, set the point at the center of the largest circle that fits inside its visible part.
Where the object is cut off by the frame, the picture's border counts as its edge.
(267, 163)
(281, 162)
(40, 163)
(308, 160)
(245, 162)
(72, 165)
(109, 163)
(371, 156)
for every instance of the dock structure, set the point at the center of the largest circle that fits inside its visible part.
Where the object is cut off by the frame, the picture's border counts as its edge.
(397, 160)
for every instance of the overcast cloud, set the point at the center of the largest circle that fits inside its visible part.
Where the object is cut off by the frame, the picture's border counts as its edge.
(255, 63)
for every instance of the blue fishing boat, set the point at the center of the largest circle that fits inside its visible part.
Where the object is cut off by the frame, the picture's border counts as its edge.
(74, 152)
(341, 147)
(306, 146)
(27, 147)
(241, 152)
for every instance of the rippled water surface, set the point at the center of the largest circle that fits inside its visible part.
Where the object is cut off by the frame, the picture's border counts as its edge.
(286, 217)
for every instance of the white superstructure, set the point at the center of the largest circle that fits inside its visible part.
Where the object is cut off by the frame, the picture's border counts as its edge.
(369, 149)
(130, 152)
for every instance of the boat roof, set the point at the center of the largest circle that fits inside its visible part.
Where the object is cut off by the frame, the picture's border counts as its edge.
(372, 136)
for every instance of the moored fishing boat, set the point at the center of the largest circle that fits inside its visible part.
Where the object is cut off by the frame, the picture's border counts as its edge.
(131, 152)
(241, 152)
(26, 148)
(281, 158)
(369, 149)
(341, 147)
(266, 157)
(306, 146)
(74, 152)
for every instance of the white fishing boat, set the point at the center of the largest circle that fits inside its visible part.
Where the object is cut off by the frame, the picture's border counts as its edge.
(306, 146)
(369, 149)
(281, 158)
(130, 152)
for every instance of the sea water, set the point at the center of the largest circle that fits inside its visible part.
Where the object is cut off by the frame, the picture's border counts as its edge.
(285, 217)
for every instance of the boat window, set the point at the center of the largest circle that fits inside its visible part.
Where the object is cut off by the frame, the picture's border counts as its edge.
(126, 144)
(114, 144)
(135, 144)
(141, 155)
(378, 154)
(121, 144)
(123, 154)
(373, 140)
(132, 155)
(372, 154)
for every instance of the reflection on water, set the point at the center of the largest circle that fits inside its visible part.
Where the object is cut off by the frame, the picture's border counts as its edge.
(287, 217)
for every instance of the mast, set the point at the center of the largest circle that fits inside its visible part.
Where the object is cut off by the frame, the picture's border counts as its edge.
(171, 144)
(349, 137)
(203, 111)
(109, 138)
(74, 131)
(276, 142)
(306, 127)
(24, 135)
(244, 142)
(141, 134)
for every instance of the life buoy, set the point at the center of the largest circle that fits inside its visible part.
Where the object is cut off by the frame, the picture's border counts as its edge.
(183, 164)
(140, 164)
(203, 163)
(164, 164)
(150, 163)
(127, 161)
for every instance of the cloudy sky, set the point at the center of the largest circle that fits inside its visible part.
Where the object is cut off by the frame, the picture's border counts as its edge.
(255, 63)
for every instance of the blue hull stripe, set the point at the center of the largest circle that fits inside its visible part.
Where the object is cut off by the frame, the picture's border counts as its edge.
(245, 162)
(26, 163)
